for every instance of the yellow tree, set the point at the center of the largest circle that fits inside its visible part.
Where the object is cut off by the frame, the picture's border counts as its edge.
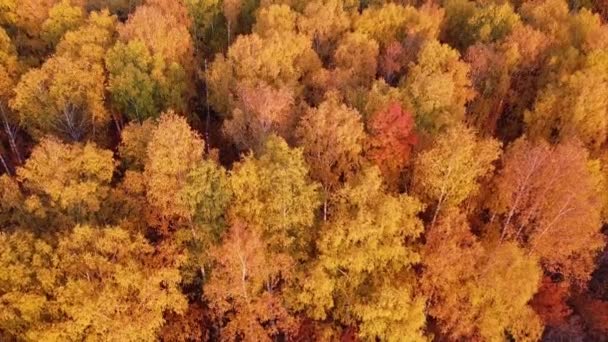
(174, 150)
(91, 40)
(438, 87)
(273, 193)
(449, 172)
(476, 291)
(73, 180)
(133, 147)
(275, 19)
(392, 22)
(64, 97)
(173, 188)
(356, 63)
(540, 206)
(280, 61)
(332, 137)
(26, 18)
(62, 17)
(324, 22)
(101, 282)
(574, 105)
(363, 274)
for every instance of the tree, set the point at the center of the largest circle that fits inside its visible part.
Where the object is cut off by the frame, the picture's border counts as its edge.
(72, 179)
(131, 84)
(363, 274)
(63, 17)
(10, 70)
(356, 63)
(332, 137)
(162, 26)
(273, 193)
(13, 210)
(26, 18)
(324, 22)
(551, 302)
(64, 97)
(133, 147)
(438, 86)
(98, 282)
(151, 68)
(275, 19)
(492, 66)
(391, 141)
(174, 150)
(209, 26)
(120, 8)
(259, 112)
(539, 206)
(450, 171)
(91, 40)
(574, 105)
(478, 293)
(280, 61)
(244, 290)
(468, 23)
(392, 22)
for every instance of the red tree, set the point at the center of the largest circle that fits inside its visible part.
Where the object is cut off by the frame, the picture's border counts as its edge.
(391, 140)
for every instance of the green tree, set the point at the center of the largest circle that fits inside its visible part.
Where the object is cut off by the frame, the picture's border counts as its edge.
(132, 87)
(151, 68)
(63, 17)
(438, 87)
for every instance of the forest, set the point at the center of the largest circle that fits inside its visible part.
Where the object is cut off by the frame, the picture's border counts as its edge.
(303, 170)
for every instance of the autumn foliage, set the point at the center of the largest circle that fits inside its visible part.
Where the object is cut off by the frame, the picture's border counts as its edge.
(303, 170)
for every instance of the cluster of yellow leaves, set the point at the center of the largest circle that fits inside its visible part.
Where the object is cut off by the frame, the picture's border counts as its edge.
(478, 292)
(450, 171)
(74, 179)
(173, 151)
(64, 97)
(279, 60)
(273, 193)
(92, 283)
(366, 252)
(332, 137)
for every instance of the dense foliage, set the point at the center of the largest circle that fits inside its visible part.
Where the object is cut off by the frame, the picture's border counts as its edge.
(299, 170)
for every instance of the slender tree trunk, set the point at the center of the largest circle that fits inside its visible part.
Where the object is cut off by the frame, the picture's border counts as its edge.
(8, 171)
(11, 134)
(208, 118)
